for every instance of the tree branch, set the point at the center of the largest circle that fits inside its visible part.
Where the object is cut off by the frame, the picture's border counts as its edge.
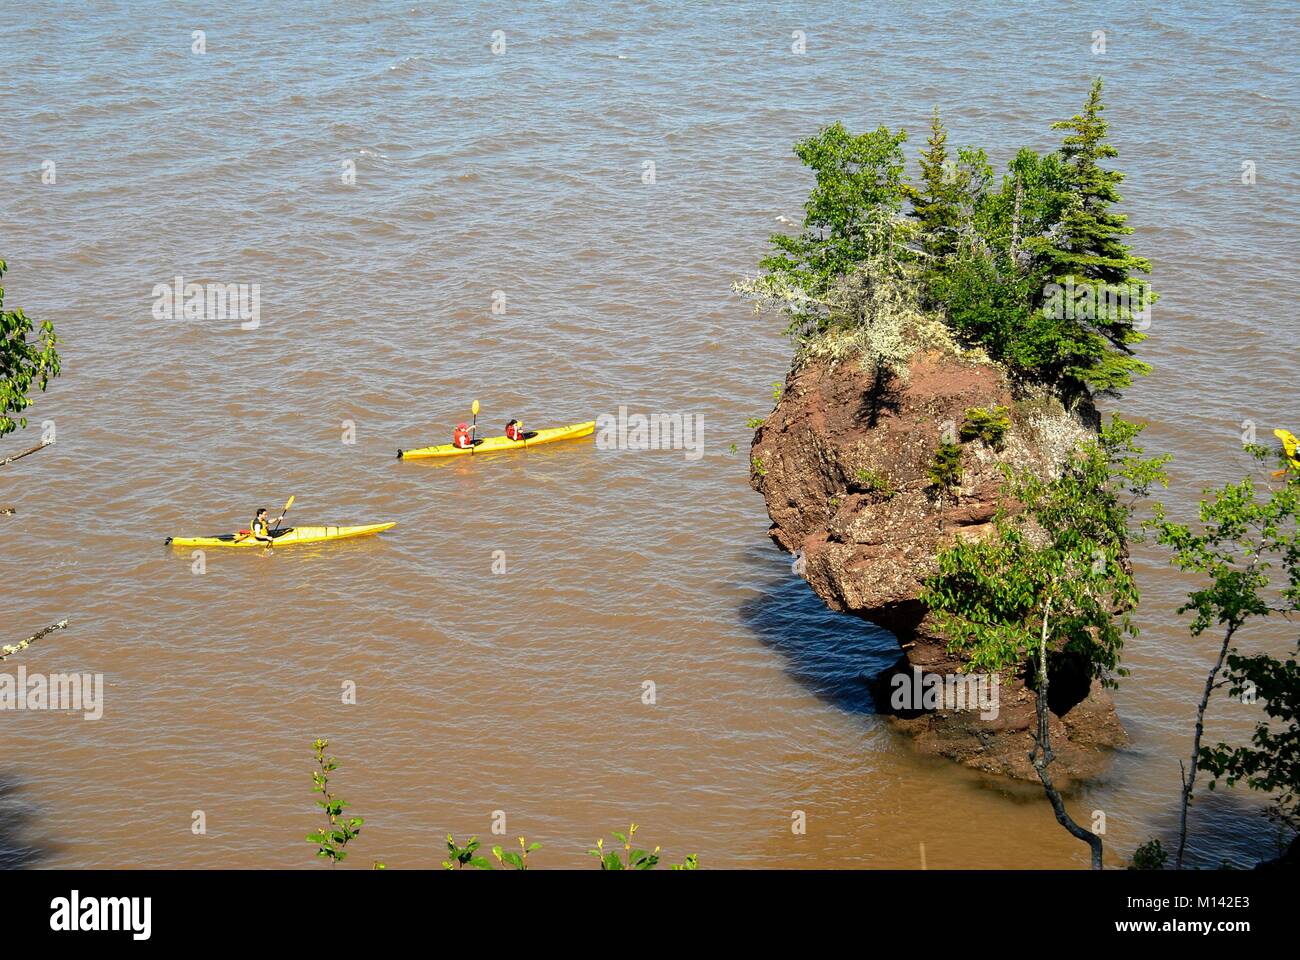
(18, 456)
(8, 650)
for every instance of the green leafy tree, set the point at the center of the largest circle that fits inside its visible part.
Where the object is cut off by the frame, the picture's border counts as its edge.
(849, 216)
(992, 290)
(972, 181)
(28, 359)
(1246, 545)
(340, 831)
(873, 481)
(1053, 585)
(631, 858)
(1032, 199)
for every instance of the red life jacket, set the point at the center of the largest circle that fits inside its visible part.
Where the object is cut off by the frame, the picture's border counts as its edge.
(513, 431)
(460, 438)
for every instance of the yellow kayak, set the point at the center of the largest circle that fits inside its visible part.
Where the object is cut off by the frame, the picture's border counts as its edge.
(496, 444)
(284, 537)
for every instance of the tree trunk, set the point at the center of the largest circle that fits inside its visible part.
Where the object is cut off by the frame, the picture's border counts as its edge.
(1189, 775)
(1041, 756)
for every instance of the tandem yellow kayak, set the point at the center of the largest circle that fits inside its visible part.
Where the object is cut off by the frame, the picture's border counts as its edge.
(497, 444)
(284, 537)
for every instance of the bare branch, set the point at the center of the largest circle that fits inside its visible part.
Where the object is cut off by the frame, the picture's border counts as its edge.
(18, 456)
(8, 650)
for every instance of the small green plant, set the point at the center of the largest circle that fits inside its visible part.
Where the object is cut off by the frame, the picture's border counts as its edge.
(873, 481)
(636, 859)
(778, 388)
(633, 858)
(987, 425)
(754, 422)
(331, 841)
(467, 856)
(757, 464)
(517, 860)
(731, 451)
(945, 469)
(1149, 856)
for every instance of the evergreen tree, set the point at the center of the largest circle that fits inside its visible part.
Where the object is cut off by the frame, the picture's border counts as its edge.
(1085, 253)
(934, 203)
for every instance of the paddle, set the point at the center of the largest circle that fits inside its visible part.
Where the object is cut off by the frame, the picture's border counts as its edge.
(473, 437)
(281, 516)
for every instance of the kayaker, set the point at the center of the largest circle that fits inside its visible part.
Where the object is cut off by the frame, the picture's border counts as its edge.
(515, 430)
(463, 436)
(259, 530)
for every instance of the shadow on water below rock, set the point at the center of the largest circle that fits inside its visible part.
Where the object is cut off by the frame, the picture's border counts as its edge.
(833, 655)
(856, 666)
(19, 846)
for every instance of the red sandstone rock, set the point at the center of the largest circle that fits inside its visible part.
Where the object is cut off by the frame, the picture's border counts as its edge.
(836, 437)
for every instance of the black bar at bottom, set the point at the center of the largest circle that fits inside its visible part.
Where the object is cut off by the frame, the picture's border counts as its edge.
(224, 908)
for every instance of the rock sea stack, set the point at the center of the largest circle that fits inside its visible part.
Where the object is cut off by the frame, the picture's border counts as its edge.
(843, 463)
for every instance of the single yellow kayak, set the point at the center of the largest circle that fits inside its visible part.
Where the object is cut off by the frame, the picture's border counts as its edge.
(496, 444)
(284, 537)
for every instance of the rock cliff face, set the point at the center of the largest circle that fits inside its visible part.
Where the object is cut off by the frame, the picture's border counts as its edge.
(843, 461)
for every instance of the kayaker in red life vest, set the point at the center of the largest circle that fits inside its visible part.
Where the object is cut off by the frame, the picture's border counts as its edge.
(463, 436)
(515, 430)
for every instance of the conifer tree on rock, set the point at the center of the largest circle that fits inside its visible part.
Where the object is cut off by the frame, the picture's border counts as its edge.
(934, 202)
(1087, 251)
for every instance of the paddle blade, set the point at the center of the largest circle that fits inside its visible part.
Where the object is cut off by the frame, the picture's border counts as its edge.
(287, 506)
(474, 408)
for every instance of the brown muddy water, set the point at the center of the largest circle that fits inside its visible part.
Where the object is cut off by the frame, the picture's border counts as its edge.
(522, 172)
